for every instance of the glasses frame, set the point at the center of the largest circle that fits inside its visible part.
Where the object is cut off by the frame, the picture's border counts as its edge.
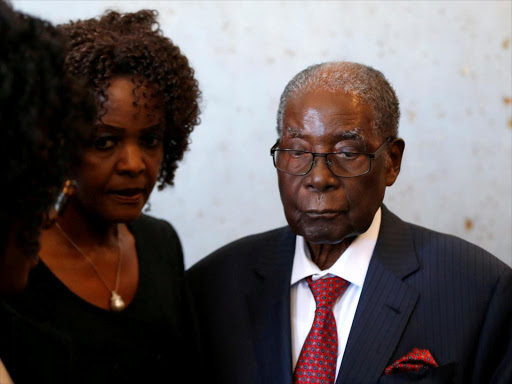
(371, 156)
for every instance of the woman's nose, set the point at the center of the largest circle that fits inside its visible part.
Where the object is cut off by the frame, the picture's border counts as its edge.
(131, 160)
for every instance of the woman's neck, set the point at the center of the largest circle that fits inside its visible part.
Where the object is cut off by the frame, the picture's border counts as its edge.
(86, 228)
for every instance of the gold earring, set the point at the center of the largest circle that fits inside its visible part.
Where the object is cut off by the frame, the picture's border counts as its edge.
(67, 191)
(50, 216)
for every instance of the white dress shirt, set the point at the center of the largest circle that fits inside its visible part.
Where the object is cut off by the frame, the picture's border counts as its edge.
(351, 266)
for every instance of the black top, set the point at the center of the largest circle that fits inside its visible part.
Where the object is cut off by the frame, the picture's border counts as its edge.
(138, 344)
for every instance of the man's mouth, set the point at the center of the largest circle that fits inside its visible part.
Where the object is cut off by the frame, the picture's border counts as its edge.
(322, 214)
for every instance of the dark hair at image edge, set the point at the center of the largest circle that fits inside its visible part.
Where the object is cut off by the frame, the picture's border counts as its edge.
(132, 44)
(44, 116)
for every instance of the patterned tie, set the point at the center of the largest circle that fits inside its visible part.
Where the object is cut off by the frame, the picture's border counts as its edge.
(317, 359)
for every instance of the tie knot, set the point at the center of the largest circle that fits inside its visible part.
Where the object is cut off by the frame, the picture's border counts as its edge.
(327, 290)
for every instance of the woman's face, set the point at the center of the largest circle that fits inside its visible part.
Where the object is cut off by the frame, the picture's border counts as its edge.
(119, 170)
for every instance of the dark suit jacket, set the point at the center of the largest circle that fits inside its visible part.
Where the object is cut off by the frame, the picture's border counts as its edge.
(423, 289)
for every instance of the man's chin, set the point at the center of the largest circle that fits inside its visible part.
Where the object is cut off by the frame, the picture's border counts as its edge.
(323, 235)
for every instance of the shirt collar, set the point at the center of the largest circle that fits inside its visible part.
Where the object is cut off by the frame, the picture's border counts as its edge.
(352, 265)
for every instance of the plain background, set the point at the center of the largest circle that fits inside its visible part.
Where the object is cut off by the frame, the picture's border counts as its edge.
(450, 64)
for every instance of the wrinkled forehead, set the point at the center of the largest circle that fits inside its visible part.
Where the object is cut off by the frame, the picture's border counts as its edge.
(323, 112)
(341, 134)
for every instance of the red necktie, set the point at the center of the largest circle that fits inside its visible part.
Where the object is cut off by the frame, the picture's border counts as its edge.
(317, 359)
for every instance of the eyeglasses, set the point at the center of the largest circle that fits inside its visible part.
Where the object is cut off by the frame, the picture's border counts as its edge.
(341, 164)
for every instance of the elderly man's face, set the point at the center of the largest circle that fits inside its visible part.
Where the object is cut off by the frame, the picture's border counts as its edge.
(320, 206)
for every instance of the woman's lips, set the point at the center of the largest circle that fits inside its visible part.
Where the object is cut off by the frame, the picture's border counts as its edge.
(128, 195)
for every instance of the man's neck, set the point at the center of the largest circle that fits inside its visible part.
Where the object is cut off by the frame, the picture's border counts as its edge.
(325, 255)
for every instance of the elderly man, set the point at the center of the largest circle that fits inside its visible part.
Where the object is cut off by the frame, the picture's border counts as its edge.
(348, 292)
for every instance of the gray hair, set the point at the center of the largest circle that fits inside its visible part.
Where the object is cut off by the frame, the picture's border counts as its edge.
(366, 83)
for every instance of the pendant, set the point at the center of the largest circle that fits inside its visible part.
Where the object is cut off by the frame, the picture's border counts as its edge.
(116, 302)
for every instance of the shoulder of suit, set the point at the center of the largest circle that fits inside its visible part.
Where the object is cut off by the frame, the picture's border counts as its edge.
(460, 253)
(447, 251)
(242, 251)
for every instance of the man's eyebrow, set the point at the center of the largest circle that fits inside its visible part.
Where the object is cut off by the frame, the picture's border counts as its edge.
(354, 134)
(294, 132)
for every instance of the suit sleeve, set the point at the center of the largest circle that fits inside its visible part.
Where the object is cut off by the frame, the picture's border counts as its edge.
(493, 363)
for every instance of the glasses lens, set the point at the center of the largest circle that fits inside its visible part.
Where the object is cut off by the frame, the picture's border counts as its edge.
(294, 162)
(348, 164)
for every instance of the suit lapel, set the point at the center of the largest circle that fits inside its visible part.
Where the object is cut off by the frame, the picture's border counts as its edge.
(269, 310)
(385, 305)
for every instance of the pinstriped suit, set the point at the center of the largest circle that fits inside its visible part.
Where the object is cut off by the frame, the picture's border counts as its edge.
(423, 289)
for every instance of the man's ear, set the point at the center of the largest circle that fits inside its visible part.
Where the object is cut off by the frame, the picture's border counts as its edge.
(395, 153)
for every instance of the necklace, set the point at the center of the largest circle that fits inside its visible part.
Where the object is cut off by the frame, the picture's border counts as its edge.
(116, 301)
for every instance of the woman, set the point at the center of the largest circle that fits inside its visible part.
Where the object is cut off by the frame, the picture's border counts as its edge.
(110, 277)
(37, 105)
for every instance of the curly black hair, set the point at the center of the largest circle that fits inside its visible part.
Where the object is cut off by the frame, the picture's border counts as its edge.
(44, 115)
(132, 44)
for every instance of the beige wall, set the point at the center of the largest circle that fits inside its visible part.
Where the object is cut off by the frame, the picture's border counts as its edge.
(450, 63)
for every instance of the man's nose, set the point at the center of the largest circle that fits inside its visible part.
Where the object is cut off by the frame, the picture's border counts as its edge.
(131, 160)
(320, 177)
